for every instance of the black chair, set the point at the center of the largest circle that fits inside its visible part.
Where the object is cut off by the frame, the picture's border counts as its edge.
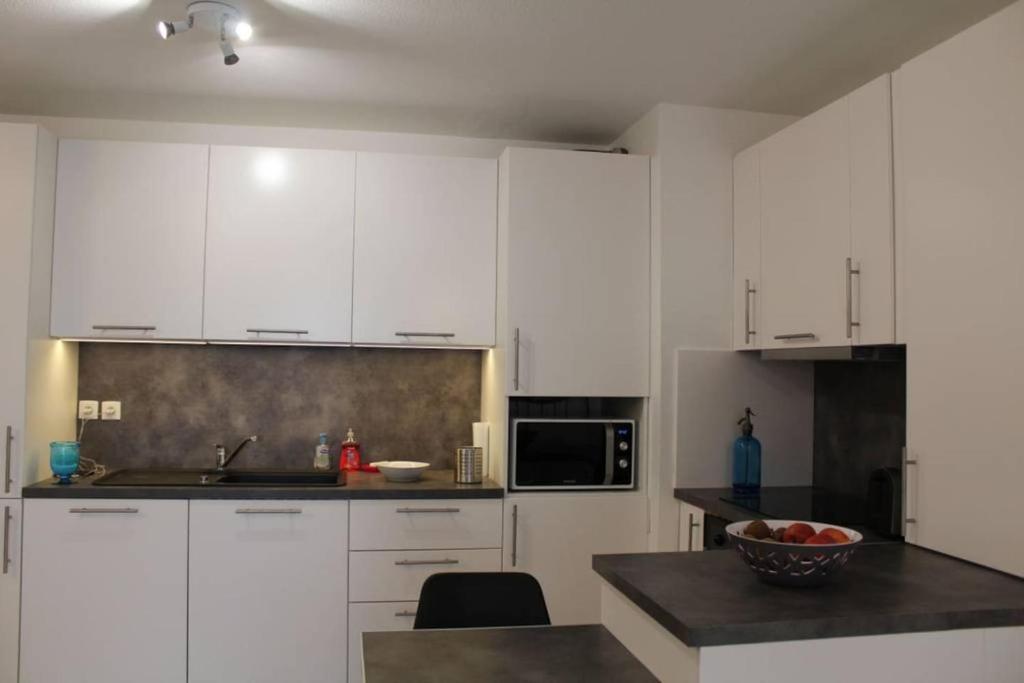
(480, 600)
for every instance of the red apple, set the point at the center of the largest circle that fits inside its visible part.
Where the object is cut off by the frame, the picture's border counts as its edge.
(797, 533)
(836, 535)
(820, 539)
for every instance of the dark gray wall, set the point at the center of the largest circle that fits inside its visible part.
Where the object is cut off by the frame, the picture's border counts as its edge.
(859, 424)
(178, 400)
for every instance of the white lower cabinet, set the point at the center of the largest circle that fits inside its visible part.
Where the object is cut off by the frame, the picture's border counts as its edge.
(399, 574)
(369, 617)
(555, 536)
(104, 591)
(268, 591)
(10, 588)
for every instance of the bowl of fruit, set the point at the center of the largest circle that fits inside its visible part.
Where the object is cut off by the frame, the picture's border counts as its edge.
(793, 553)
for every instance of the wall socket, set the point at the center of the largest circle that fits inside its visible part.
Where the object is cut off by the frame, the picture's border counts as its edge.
(88, 410)
(110, 410)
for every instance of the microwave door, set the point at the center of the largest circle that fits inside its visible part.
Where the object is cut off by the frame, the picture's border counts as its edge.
(609, 453)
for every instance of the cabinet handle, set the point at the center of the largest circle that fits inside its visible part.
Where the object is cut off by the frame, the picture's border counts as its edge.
(8, 479)
(127, 328)
(515, 361)
(748, 295)
(7, 538)
(416, 563)
(268, 511)
(693, 525)
(270, 330)
(405, 613)
(104, 511)
(908, 462)
(443, 335)
(796, 335)
(515, 534)
(850, 322)
(416, 511)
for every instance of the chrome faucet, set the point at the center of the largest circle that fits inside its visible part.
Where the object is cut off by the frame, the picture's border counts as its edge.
(223, 459)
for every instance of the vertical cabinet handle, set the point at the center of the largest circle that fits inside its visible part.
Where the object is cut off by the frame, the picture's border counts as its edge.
(692, 525)
(850, 322)
(515, 534)
(8, 479)
(748, 295)
(7, 539)
(908, 463)
(515, 360)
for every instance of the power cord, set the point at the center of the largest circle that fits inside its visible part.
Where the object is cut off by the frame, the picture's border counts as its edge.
(88, 467)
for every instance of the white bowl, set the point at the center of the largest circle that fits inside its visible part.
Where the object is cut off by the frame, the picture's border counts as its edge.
(401, 470)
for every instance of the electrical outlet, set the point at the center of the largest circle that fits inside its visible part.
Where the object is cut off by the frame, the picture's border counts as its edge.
(111, 410)
(88, 410)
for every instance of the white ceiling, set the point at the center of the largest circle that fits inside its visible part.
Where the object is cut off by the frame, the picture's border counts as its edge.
(569, 70)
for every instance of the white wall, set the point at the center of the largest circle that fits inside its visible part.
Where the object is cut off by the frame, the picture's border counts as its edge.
(273, 136)
(692, 149)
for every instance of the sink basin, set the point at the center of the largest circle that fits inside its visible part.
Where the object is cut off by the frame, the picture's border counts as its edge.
(183, 477)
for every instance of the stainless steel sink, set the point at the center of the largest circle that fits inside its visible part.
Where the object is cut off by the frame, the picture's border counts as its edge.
(239, 478)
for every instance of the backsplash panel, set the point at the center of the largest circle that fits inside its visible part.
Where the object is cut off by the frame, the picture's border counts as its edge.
(179, 400)
(860, 424)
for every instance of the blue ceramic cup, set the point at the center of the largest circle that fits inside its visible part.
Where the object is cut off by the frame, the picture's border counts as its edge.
(64, 459)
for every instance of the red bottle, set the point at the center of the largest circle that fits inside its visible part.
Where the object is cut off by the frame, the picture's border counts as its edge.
(350, 458)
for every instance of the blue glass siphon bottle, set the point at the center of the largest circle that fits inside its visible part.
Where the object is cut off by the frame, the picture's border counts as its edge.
(746, 459)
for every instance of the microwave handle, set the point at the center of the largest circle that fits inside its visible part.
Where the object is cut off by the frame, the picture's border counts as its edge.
(609, 453)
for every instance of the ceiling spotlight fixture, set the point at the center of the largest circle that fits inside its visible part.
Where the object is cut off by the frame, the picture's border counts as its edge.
(212, 16)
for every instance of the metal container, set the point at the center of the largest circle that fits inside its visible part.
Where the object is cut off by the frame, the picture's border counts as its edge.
(469, 465)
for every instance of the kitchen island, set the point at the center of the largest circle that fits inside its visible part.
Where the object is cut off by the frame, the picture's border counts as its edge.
(896, 612)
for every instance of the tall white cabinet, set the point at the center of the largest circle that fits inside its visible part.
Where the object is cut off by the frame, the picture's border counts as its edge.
(575, 257)
(425, 239)
(279, 245)
(38, 376)
(129, 240)
(104, 591)
(961, 154)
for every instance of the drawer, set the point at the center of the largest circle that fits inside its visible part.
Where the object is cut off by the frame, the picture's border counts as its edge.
(425, 524)
(369, 617)
(398, 575)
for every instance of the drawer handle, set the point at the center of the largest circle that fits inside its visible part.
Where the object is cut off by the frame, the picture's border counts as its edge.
(796, 335)
(268, 511)
(405, 613)
(416, 563)
(416, 511)
(442, 335)
(270, 330)
(126, 328)
(104, 511)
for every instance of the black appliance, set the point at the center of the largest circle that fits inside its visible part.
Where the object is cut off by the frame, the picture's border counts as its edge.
(569, 454)
(885, 501)
(715, 537)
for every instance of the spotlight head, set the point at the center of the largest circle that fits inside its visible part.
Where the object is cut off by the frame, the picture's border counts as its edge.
(243, 30)
(230, 58)
(164, 29)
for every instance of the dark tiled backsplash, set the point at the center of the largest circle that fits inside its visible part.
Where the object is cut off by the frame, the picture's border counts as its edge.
(860, 423)
(179, 400)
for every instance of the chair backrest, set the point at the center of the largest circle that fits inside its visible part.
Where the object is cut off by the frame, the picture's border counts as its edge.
(480, 600)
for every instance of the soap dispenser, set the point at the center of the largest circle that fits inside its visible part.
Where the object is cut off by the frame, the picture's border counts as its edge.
(322, 454)
(350, 457)
(746, 458)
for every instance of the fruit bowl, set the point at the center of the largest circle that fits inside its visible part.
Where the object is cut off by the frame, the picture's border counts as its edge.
(795, 564)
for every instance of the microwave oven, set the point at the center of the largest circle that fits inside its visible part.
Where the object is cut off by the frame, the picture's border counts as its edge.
(566, 454)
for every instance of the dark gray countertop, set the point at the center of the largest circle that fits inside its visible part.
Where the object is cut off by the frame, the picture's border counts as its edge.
(359, 486)
(712, 598)
(587, 654)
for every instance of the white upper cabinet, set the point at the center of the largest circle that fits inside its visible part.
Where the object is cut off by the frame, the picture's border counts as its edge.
(746, 248)
(425, 250)
(826, 227)
(961, 152)
(279, 245)
(576, 235)
(128, 244)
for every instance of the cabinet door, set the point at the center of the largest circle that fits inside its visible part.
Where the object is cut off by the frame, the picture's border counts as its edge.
(279, 245)
(554, 537)
(10, 588)
(805, 199)
(128, 241)
(578, 273)
(962, 166)
(691, 528)
(369, 617)
(268, 591)
(425, 250)
(746, 248)
(104, 591)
